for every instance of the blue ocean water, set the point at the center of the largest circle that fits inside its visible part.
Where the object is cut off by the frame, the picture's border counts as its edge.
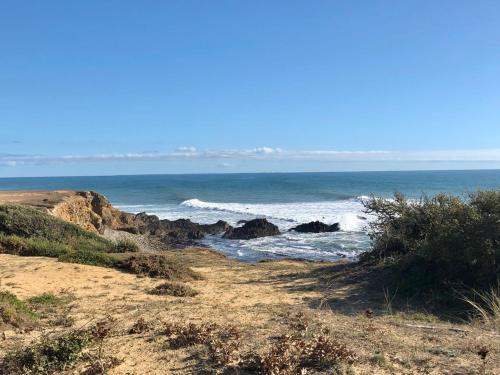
(286, 199)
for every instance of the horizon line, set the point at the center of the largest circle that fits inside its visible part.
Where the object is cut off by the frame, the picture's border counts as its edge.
(235, 173)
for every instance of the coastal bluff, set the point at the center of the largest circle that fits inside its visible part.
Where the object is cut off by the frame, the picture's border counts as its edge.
(87, 209)
(93, 212)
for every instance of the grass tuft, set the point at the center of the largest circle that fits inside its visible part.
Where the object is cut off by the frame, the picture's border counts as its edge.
(15, 312)
(486, 305)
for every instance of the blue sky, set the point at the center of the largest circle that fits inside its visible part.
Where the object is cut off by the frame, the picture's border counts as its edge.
(117, 87)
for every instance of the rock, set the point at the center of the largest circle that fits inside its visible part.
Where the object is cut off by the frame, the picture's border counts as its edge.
(219, 227)
(316, 227)
(241, 222)
(253, 229)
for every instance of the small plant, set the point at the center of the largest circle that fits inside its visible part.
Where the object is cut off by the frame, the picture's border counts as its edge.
(378, 360)
(293, 355)
(173, 289)
(224, 351)
(49, 356)
(300, 322)
(140, 326)
(181, 336)
(99, 363)
(482, 351)
(188, 335)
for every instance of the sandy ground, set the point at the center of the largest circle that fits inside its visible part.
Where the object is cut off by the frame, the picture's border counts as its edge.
(46, 199)
(257, 298)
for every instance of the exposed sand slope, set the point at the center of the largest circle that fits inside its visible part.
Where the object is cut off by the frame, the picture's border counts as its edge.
(259, 299)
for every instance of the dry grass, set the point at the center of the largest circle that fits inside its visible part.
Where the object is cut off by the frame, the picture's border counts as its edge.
(486, 306)
(174, 289)
(159, 265)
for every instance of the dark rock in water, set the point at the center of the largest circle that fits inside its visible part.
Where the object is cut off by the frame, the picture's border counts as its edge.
(361, 217)
(241, 222)
(253, 229)
(219, 227)
(316, 227)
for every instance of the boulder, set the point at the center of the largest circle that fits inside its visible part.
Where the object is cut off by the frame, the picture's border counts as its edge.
(253, 229)
(316, 227)
(219, 227)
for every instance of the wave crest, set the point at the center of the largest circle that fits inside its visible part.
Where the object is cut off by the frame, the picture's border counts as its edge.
(349, 213)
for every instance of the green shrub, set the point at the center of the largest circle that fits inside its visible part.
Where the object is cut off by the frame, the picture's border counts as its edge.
(440, 240)
(31, 246)
(50, 356)
(125, 246)
(13, 311)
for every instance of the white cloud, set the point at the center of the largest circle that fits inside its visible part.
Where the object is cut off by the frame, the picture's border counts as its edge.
(186, 149)
(260, 153)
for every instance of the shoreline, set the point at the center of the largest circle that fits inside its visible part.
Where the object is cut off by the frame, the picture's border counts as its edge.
(84, 208)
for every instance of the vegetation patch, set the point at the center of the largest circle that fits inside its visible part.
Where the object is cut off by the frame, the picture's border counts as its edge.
(125, 246)
(173, 289)
(159, 265)
(92, 258)
(49, 356)
(15, 312)
(293, 355)
(439, 242)
(27, 222)
(49, 299)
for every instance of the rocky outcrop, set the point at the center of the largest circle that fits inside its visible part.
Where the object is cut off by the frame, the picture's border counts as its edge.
(92, 211)
(316, 227)
(253, 229)
(217, 228)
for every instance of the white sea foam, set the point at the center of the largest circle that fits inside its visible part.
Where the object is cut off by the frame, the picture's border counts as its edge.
(349, 242)
(349, 213)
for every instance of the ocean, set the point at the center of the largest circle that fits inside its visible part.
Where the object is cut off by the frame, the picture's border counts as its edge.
(285, 199)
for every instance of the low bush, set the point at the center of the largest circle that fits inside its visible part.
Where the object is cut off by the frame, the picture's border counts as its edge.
(292, 355)
(140, 326)
(92, 258)
(173, 289)
(15, 245)
(159, 265)
(440, 241)
(49, 356)
(15, 312)
(125, 246)
(181, 336)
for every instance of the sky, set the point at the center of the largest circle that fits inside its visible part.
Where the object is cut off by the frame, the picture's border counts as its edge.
(129, 87)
